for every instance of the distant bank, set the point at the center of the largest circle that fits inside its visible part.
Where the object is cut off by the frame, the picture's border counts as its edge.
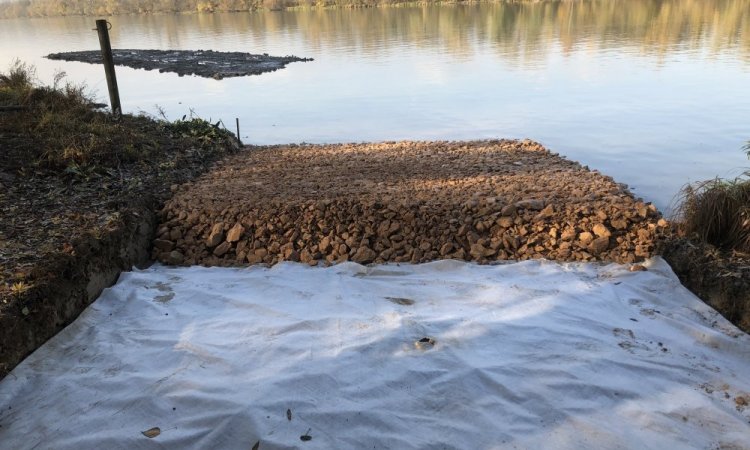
(56, 8)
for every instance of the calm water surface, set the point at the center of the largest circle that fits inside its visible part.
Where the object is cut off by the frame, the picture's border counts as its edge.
(653, 92)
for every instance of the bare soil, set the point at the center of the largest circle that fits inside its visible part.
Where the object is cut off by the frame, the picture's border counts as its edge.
(404, 202)
(719, 278)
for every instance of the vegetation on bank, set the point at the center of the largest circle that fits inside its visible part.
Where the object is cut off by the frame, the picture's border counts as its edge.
(78, 195)
(46, 8)
(710, 251)
(717, 212)
(59, 129)
(68, 169)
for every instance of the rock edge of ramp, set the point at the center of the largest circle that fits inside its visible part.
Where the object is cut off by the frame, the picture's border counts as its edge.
(406, 201)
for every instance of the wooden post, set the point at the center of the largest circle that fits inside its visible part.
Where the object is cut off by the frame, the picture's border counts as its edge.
(109, 66)
(237, 120)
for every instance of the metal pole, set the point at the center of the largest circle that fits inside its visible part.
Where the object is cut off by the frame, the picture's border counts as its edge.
(102, 27)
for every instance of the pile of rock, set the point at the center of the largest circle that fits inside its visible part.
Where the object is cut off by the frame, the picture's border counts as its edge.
(403, 202)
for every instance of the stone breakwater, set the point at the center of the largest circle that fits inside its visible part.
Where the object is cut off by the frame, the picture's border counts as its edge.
(203, 63)
(412, 202)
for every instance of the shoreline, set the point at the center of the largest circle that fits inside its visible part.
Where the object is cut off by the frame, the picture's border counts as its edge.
(542, 192)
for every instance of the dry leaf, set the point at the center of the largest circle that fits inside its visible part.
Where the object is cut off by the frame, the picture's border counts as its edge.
(152, 432)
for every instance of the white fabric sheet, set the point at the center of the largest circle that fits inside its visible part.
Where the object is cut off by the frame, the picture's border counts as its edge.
(527, 355)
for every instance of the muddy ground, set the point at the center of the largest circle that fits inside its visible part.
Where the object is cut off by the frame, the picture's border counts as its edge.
(203, 63)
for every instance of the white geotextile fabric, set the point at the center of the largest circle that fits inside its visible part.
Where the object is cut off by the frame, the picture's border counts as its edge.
(527, 355)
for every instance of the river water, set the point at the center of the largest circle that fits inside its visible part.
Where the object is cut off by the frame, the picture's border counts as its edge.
(653, 92)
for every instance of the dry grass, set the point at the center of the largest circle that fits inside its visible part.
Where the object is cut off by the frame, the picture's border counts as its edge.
(717, 212)
(60, 131)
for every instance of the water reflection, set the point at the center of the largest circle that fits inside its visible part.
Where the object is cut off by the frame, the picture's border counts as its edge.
(653, 92)
(519, 31)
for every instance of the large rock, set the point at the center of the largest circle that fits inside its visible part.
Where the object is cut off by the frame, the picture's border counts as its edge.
(216, 236)
(532, 204)
(235, 233)
(364, 255)
(222, 248)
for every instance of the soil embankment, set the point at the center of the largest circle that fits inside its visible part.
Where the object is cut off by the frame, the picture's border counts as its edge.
(404, 202)
(719, 278)
(78, 195)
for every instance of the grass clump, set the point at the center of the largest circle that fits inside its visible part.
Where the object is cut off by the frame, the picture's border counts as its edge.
(718, 212)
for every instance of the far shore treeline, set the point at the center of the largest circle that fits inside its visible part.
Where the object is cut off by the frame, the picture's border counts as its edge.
(52, 8)
(698, 11)
(653, 24)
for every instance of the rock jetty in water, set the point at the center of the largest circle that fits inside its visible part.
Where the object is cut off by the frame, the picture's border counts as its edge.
(203, 63)
(412, 202)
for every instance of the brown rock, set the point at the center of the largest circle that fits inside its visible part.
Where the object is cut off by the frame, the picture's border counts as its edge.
(585, 237)
(386, 254)
(222, 249)
(305, 256)
(175, 234)
(504, 221)
(235, 233)
(568, 235)
(601, 230)
(216, 236)
(325, 245)
(619, 224)
(547, 212)
(532, 204)
(163, 245)
(292, 256)
(253, 258)
(364, 255)
(479, 252)
(599, 245)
